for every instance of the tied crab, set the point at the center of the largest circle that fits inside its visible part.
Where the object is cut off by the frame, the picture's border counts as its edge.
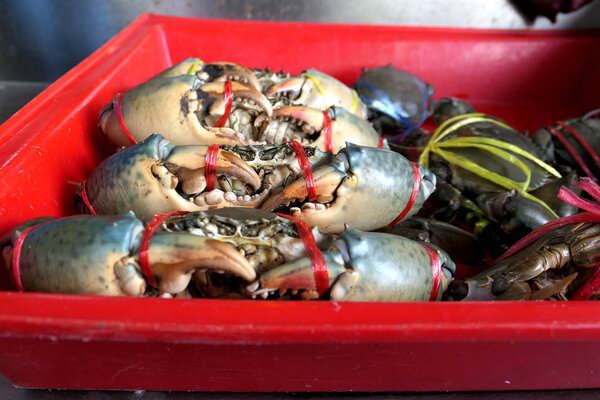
(362, 187)
(558, 261)
(221, 103)
(488, 169)
(395, 99)
(101, 255)
(262, 253)
(574, 142)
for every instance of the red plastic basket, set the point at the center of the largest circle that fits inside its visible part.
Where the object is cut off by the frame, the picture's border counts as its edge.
(84, 342)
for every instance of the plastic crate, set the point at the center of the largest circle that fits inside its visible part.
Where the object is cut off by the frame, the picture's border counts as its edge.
(85, 342)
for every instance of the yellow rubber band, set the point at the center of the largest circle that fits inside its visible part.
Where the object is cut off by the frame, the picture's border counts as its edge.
(194, 67)
(354, 102)
(496, 147)
(319, 88)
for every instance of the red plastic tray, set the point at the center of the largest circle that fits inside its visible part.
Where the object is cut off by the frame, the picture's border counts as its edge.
(83, 342)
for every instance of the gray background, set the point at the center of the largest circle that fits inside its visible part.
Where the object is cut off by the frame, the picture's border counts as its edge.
(41, 39)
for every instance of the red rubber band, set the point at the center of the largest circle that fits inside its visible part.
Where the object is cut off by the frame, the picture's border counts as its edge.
(327, 131)
(86, 201)
(119, 112)
(436, 270)
(228, 96)
(306, 170)
(380, 145)
(590, 287)
(317, 261)
(210, 170)
(149, 231)
(571, 150)
(582, 141)
(16, 258)
(413, 195)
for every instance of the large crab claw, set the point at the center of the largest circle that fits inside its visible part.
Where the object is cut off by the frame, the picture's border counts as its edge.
(307, 125)
(363, 187)
(365, 266)
(154, 176)
(316, 89)
(99, 255)
(212, 72)
(182, 109)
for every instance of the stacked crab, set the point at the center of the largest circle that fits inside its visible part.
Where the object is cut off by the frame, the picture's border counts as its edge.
(240, 183)
(234, 183)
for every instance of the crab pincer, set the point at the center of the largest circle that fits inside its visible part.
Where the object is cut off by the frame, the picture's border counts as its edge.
(363, 187)
(184, 109)
(220, 71)
(364, 266)
(156, 176)
(329, 129)
(316, 89)
(102, 255)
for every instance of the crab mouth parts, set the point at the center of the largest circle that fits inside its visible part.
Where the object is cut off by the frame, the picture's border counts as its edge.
(280, 128)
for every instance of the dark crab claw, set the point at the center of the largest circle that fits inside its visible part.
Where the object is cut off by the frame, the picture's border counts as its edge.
(364, 266)
(154, 176)
(358, 179)
(345, 126)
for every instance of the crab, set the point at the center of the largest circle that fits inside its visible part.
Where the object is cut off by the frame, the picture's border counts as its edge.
(395, 99)
(364, 266)
(518, 191)
(265, 239)
(558, 261)
(155, 176)
(573, 142)
(100, 255)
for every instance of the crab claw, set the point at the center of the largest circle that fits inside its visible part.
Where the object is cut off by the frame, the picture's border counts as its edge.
(307, 122)
(316, 89)
(212, 72)
(241, 93)
(174, 256)
(364, 266)
(358, 179)
(155, 176)
(180, 108)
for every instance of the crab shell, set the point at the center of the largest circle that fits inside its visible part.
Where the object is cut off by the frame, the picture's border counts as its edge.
(366, 266)
(370, 188)
(334, 92)
(397, 97)
(98, 255)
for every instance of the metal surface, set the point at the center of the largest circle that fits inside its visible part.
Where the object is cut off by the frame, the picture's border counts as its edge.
(41, 39)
